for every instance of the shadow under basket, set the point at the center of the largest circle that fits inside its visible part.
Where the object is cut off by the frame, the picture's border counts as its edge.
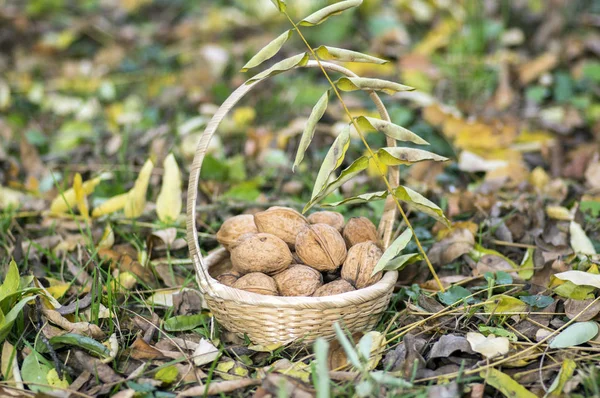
(270, 320)
(274, 319)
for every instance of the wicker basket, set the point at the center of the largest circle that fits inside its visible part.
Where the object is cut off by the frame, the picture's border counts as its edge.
(270, 320)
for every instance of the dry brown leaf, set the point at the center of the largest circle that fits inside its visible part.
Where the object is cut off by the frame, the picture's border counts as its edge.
(83, 328)
(533, 69)
(573, 308)
(143, 351)
(457, 243)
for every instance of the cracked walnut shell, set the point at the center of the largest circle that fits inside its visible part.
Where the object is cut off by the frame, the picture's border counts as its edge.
(321, 246)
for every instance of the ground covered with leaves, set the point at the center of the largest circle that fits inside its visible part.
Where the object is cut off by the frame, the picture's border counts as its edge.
(102, 103)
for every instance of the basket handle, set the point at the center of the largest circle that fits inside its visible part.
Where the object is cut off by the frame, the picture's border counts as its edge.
(387, 220)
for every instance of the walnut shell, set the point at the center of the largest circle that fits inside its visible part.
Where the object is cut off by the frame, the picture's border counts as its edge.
(359, 229)
(333, 218)
(283, 222)
(257, 282)
(261, 253)
(321, 246)
(360, 263)
(338, 286)
(298, 280)
(228, 278)
(235, 227)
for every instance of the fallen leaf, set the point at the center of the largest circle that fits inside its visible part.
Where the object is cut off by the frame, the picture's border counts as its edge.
(136, 197)
(505, 384)
(576, 334)
(490, 346)
(169, 203)
(449, 344)
(580, 278)
(580, 243)
(205, 353)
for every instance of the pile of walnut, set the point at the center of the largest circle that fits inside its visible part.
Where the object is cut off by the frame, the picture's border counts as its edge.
(281, 252)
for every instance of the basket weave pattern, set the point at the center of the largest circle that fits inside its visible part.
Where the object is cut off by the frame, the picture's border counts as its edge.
(269, 320)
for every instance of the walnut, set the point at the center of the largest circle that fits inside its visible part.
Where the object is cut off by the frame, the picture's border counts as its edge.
(359, 264)
(333, 218)
(257, 282)
(332, 288)
(359, 229)
(298, 280)
(261, 253)
(321, 246)
(283, 222)
(234, 227)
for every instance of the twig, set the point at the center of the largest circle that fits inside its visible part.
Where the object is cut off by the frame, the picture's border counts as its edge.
(369, 150)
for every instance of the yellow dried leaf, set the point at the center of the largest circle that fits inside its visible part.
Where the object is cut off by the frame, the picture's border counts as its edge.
(539, 178)
(168, 203)
(559, 213)
(9, 356)
(136, 197)
(68, 199)
(108, 238)
(437, 38)
(80, 196)
(113, 204)
(55, 381)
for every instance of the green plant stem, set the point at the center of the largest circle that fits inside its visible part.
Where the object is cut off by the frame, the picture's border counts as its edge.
(370, 151)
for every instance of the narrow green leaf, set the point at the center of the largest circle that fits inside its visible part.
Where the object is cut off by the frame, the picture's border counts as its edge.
(321, 15)
(390, 129)
(505, 384)
(364, 198)
(398, 263)
(332, 160)
(184, 322)
(393, 156)
(347, 174)
(393, 250)
(420, 203)
(281, 66)
(365, 83)
(280, 4)
(321, 348)
(309, 130)
(268, 51)
(87, 343)
(576, 334)
(387, 379)
(347, 346)
(11, 281)
(6, 323)
(327, 53)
